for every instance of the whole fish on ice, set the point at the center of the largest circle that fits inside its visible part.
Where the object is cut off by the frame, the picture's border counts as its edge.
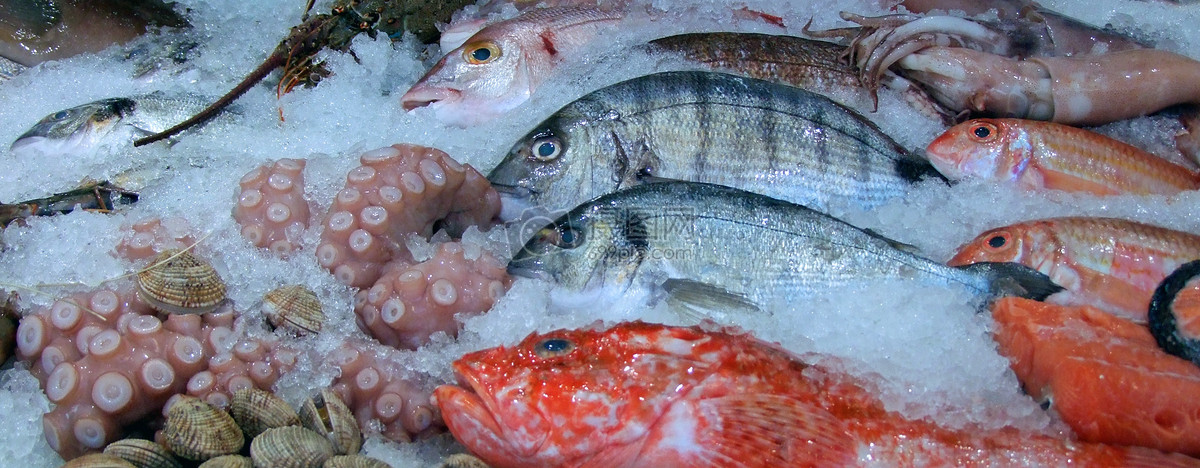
(1045, 155)
(641, 394)
(1112, 264)
(107, 122)
(712, 249)
(751, 134)
(498, 68)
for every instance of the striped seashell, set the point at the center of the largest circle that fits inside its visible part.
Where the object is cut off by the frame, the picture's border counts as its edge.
(98, 460)
(295, 308)
(143, 453)
(463, 460)
(354, 461)
(196, 430)
(257, 410)
(290, 447)
(177, 282)
(228, 461)
(329, 416)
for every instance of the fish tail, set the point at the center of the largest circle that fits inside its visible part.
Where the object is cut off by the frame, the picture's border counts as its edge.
(1165, 311)
(1013, 279)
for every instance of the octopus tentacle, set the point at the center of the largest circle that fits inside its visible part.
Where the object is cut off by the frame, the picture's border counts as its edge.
(271, 207)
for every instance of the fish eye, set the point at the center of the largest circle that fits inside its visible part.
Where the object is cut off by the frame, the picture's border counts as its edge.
(998, 241)
(546, 149)
(563, 237)
(553, 347)
(983, 131)
(481, 53)
(62, 114)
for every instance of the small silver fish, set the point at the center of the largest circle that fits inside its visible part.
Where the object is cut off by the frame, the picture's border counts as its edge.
(707, 248)
(108, 121)
(755, 135)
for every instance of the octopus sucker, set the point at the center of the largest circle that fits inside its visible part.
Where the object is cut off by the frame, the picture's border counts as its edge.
(271, 207)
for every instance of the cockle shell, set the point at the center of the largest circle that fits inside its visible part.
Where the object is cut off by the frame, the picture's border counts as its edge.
(295, 308)
(142, 453)
(98, 460)
(228, 461)
(354, 461)
(177, 282)
(258, 410)
(290, 447)
(463, 460)
(197, 430)
(329, 416)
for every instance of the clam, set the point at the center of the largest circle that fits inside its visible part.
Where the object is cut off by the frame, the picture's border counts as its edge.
(463, 460)
(354, 461)
(329, 416)
(142, 453)
(197, 430)
(295, 308)
(290, 447)
(228, 461)
(258, 410)
(177, 282)
(98, 460)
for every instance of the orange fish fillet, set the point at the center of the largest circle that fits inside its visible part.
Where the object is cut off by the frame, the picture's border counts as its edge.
(1104, 375)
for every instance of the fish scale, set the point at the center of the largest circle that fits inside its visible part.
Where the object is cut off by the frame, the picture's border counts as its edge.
(698, 244)
(1113, 264)
(711, 127)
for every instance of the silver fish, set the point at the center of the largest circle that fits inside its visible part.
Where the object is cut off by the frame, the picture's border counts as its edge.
(708, 248)
(759, 136)
(113, 120)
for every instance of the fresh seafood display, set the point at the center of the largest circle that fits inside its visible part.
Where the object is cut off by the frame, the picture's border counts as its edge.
(113, 121)
(1111, 264)
(1044, 155)
(813, 65)
(789, 144)
(498, 68)
(298, 291)
(641, 394)
(1104, 375)
(664, 239)
(99, 196)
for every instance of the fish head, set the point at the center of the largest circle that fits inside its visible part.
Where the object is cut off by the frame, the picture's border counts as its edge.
(1005, 244)
(592, 248)
(553, 166)
(571, 397)
(484, 78)
(976, 148)
(76, 129)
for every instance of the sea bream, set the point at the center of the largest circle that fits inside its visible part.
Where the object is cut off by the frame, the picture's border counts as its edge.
(107, 121)
(647, 395)
(708, 248)
(711, 127)
(497, 69)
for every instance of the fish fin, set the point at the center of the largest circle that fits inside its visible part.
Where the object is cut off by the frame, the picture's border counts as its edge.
(912, 249)
(698, 300)
(637, 166)
(1056, 180)
(764, 430)
(1013, 279)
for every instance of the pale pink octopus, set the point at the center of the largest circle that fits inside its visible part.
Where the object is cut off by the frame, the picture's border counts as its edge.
(397, 192)
(271, 207)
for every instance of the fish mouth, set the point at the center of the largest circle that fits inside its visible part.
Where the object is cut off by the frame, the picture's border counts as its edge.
(470, 414)
(421, 96)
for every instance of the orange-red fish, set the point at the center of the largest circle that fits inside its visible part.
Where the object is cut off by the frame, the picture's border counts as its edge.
(1046, 155)
(1112, 264)
(648, 395)
(1103, 375)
